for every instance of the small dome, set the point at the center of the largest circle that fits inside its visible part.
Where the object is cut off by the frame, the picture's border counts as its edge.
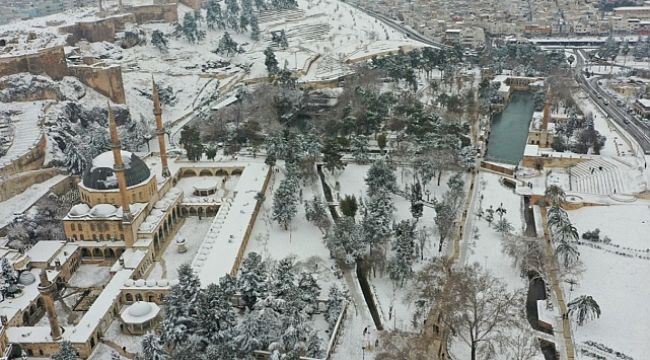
(129, 282)
(139, 309)
(102, 177)
(26, 278)
(103, 210)
(79, 210)
(140, 282)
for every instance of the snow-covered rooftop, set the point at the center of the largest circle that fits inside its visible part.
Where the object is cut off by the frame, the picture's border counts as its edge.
(222, 244)
(44, 251)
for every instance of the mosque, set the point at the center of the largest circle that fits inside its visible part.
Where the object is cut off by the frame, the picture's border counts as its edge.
(131, 207)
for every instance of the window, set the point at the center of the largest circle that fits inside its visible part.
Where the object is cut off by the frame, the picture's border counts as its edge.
(92, 226)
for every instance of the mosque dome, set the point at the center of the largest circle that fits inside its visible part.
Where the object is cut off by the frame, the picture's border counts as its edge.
(102, 177)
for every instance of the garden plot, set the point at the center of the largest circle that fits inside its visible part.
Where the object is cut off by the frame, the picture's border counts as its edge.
(615, 272)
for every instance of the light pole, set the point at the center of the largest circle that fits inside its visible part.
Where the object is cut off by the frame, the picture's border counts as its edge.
(428, 192)
(363, 352)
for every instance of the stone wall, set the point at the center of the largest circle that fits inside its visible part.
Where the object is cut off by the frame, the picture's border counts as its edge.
(50, 61)
(154, 13)
(16, 184)
(96, 31)
(194, 4)
(105, 80)
(31, 160)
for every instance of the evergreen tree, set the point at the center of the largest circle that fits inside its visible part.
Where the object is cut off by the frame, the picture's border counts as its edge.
(445, 217)
(232, 14)
(316, 212)
(214, 17)
(332, 155)
(248, 332)
(348, 205)
(189, 29)
(8, 273)
(400, 265)
(255, 29)
(191, 142)
(227, 46)
(115, 356)
(216, 318)
(152, 348)
(417, 207)
(335, 300)
(360, 150)
(285, 201)
(489, 217)
(309, 291)
(252, 279)
(378, 219)
(283, 41)
(380, 177)
(66, 352)
(345, 242)
(159, 40)
(260, 5)
(180, 320)
(271, 62)
(283, 281)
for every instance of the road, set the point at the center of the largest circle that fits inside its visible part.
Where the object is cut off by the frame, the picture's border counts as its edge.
(399, 27)
(607, 103)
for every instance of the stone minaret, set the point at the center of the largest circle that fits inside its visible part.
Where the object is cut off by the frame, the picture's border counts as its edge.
(118, 167)
(160, 129)
(48, 291)
(547, 109)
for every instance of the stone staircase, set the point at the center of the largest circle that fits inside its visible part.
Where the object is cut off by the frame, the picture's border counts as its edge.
(601, 177)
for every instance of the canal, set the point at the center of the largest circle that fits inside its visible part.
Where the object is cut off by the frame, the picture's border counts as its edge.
(510, 129)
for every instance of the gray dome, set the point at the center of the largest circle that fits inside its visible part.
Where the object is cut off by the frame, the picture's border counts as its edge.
(102, 177)
(26, 278)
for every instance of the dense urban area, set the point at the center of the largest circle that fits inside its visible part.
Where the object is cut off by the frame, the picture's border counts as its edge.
(324, 179)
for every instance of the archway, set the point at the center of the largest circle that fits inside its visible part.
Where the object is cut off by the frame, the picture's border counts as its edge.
(237, 171)
(221, 172)
(85, 252)
(205, 172)
(128, 297)
(189, 173)
(97, 252)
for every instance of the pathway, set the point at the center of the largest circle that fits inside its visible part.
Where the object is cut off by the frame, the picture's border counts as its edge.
(118, 349)
(565, 331)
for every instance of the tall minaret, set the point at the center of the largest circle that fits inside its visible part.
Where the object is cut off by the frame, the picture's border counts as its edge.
(48, 290)
(547, 109)
(160, 129)
(118, 167)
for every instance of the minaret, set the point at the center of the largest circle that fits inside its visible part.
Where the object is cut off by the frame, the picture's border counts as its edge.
(118, 167)
(48, 290)
(547, 109)
(160, 129)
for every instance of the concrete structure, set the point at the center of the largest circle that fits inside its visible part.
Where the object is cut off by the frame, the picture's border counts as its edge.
(642, 108)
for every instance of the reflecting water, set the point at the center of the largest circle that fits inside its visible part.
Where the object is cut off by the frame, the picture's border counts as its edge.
(510, 129)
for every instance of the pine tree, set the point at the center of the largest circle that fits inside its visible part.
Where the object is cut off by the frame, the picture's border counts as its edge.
(152, 348)
(189, 29)
(378, 219)
(285, 201)
(309, 291)
(115, 356)
(380, 177)
(214, 16)
(445, 217)
(66, 352)
(227, 45)
(180, 308)
(489, 217)
(260, 5)
(283, 280)
(400, 265)
(360, 150)
(255, 29)
(345, 242)
(8, 273)
(348, 205)
(252, 279)
(248, 332)
(216, 318)
(271, 62)
(335, 300)
(191, 141)
(232, 14)
(159, 40)
(417, 207)
(332, 155)
(503, 226)
(316, 212)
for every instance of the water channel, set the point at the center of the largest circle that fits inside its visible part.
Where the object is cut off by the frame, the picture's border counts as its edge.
(510, 129)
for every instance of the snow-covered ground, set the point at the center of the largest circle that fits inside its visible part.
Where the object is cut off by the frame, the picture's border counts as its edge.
(90, 275)
(18, 204)
(193, 231)
(615, 275)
